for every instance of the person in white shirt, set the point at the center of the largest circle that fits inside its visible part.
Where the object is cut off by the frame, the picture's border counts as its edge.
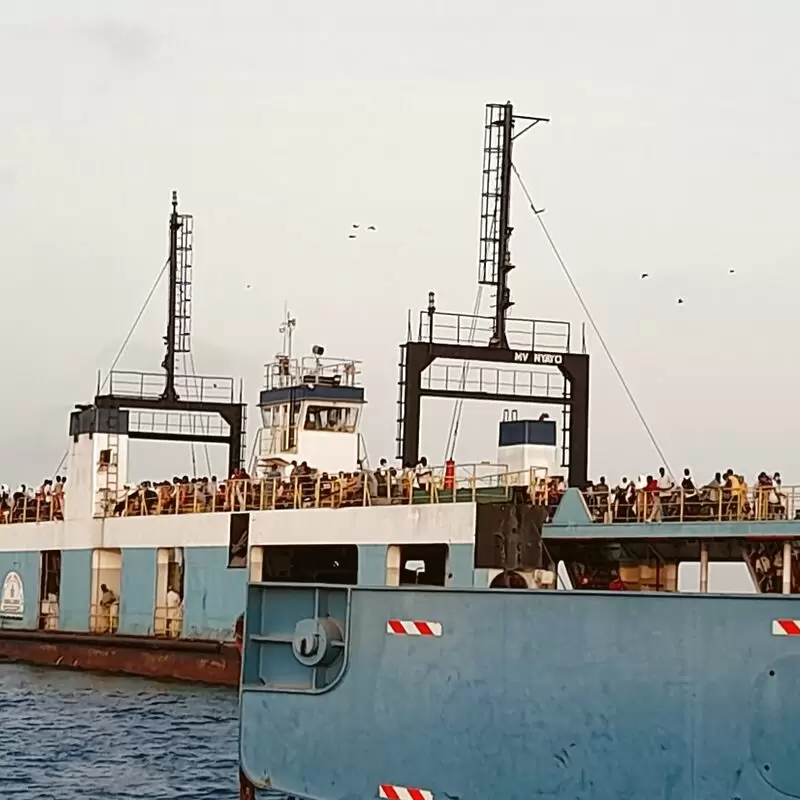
(423, 474)
(665, 485)
(109, 608)
(383, 479)
(665, 481)
(174, 612)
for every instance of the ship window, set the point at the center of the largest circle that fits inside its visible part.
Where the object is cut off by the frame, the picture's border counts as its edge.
(423, 565)
(308, 563)
(331, 418)
(271, 416)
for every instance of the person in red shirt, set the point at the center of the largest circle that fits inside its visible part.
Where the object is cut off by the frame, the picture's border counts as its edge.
(649, 498)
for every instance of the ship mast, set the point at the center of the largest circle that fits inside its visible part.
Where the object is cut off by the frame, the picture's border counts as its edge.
(209, 412)
(509, 357)
(494, 261)
(178, 338)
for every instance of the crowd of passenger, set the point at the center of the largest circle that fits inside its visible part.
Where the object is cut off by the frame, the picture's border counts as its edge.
(29, 504)
(291, 485)
(651, 498)
(660, 498)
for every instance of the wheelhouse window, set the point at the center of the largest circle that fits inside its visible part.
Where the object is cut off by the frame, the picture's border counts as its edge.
(331, 418)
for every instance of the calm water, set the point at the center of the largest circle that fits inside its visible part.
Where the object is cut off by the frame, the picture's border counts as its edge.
(67, 735)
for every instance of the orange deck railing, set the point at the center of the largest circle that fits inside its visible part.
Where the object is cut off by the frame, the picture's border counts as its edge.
(32, 510)
(469, 484)
(704, 505)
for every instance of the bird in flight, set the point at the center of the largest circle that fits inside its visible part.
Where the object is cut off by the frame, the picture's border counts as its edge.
(351, 236)
(356, 226)
(731, 271)
(680, 300)
(645, 275)
(372, 228)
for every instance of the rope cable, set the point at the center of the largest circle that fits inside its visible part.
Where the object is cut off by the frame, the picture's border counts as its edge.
(458, 406)
(205, 444)
(135, 324)
(591, 321)
(191, 444)
(455, 419)
(123, 346)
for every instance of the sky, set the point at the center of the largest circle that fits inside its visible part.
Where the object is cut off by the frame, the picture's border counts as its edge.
(672, 150)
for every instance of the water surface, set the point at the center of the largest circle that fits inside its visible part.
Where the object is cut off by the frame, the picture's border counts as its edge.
(69, 735)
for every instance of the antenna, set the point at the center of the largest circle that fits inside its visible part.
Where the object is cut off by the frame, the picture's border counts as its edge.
(179, 303)
(287, 329)
(494, 259)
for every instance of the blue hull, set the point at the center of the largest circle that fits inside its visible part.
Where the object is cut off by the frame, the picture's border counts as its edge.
(558, 695)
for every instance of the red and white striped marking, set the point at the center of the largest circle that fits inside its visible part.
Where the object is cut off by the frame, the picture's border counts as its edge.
(390, 792)
(413, 627)
(786, 627)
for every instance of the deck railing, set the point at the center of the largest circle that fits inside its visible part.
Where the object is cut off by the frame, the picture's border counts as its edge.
(32, 510)
(103, 619)
(704, 505)
(470, 483)
(168, 621)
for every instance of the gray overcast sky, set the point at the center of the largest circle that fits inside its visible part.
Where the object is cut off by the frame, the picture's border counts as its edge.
(673, 150)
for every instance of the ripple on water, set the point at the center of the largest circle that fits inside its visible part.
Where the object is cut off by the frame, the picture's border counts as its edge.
(69, 735)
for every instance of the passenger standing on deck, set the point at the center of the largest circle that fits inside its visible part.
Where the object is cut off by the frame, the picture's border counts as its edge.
(621, 508)
(174, 612)
(107, 602)
(5, 503)
(382, 478)
(731, 494)
(647, 498)
(58, 497)
(689, 496)
(423, 474)
(664, 487)
(713, 490)
(779, 495)
(601, 493)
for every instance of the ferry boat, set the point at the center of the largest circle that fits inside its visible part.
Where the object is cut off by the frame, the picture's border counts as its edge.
(515, 641)
(150, 579)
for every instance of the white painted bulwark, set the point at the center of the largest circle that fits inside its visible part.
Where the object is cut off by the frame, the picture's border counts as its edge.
(12, 597)
(446, 523)
(84, 534)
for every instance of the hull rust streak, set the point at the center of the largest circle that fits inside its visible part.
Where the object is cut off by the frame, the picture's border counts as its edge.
(195, 661)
